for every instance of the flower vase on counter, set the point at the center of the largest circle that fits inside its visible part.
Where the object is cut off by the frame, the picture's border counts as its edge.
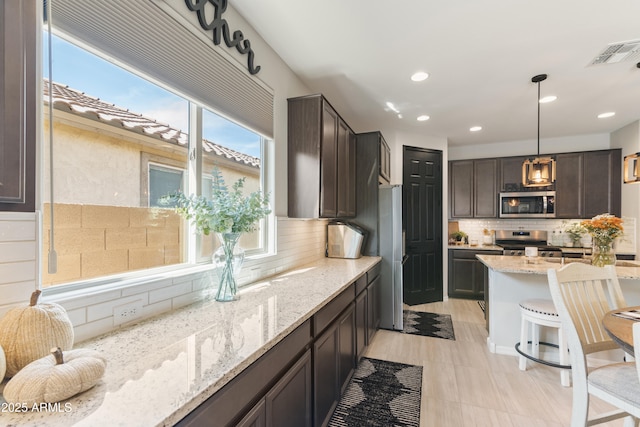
(604, 229)
(602, 254)
(228, 259)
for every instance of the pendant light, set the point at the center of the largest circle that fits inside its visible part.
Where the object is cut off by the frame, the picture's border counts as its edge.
(632, 168)
(539, 171)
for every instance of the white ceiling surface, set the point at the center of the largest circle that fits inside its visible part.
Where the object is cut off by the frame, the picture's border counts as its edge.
(480, 55)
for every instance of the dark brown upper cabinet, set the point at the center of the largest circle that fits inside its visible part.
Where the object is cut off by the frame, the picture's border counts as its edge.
(321, 160)
(473, 188)
(589, 184)
(18, 95)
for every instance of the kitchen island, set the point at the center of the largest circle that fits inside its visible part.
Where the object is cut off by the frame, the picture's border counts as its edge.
(515, 278)
(160, 370)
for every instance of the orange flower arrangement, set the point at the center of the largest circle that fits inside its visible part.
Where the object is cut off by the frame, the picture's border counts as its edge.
(604, 228)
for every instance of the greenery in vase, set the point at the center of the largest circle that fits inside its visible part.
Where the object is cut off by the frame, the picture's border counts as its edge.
(575, 231)
(604, 228)
(228, 211)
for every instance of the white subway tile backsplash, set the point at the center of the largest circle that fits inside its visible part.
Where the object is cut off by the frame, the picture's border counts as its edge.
(105, 309)
(169, 292)
(85, 331)
(17, 251)
(18, 258)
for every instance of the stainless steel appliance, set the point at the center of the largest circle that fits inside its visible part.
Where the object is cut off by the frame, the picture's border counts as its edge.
(344, 240)
(514, 242)
(528, 204)
(393, 254)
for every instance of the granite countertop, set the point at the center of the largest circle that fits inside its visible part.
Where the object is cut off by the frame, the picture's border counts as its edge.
(479, 247)
(161, 369)
(520, 264)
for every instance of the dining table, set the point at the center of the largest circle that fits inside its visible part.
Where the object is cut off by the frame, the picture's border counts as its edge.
(619, 325)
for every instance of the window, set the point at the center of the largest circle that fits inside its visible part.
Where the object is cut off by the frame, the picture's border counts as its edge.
(120, 143)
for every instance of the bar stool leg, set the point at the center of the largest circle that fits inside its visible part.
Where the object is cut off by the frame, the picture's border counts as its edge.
(524, 338)
(563, 351)
(535, 341)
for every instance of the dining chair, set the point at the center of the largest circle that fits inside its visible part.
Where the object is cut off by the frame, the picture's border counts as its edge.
(582, 295)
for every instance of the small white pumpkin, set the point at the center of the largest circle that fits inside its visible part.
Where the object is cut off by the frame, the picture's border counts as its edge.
(27, 333)
(3, 364)
(55, 377)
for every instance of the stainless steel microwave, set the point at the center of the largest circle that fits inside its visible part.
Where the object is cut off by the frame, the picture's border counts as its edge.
(530, 204)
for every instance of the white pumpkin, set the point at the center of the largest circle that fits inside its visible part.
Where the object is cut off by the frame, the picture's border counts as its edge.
(55, 377)
(3, 364)
(28, 333)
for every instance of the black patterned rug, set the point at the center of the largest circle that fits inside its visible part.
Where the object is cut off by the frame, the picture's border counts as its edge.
(380, 394)
(428, 324)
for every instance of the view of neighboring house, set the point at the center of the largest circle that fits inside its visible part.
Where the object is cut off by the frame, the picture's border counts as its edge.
(106, 152)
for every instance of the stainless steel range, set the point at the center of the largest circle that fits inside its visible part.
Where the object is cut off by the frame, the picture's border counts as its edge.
(513, 242)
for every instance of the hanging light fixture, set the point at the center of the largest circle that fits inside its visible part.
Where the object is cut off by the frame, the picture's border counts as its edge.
(539, 171)
(632, 168)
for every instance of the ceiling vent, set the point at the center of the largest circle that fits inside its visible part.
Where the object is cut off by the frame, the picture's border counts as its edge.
(618, 52)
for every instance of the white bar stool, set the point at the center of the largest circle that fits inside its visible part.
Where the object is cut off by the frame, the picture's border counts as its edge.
(542, 312)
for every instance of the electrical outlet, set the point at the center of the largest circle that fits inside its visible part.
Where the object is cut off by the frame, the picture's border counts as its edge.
(127, 312)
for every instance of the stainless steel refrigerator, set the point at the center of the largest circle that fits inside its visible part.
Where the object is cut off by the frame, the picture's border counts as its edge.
(392, 253)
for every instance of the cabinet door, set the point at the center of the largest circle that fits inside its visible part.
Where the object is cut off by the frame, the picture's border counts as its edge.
(373, 308)
(569, 185)
(485, 181)
(361, 324)
(346, 169)
(466, 274)
(328, 163)
(325, 375)
(602, 182)
(346, 347)
(18, 94)
(461, 189)
(385, 160)
(256, 417)
(511, 173)
(288, 403)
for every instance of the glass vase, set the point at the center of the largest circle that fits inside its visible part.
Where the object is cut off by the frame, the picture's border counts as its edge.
(228, 259)
(602, 254)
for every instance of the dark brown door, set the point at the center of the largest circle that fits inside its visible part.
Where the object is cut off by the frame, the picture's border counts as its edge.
(422, 212)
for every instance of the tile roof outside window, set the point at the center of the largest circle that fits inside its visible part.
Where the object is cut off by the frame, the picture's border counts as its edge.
(76, 102)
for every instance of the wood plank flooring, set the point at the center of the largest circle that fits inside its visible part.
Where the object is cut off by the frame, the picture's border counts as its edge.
(465, 385)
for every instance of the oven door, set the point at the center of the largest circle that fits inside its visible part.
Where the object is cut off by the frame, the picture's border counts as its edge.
(535, 204)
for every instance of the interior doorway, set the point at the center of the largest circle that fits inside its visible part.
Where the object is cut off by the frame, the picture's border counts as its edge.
(422, 220)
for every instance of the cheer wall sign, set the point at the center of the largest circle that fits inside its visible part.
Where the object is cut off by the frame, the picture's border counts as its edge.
(220, 28)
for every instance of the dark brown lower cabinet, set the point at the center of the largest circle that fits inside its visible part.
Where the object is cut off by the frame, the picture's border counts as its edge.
(373, 307)
(466, 273)
(333, 364)
(361, 324)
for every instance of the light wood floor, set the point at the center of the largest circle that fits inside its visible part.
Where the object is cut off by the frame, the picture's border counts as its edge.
(466, 385)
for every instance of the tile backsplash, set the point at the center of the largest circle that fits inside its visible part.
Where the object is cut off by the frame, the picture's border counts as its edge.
(475, 229)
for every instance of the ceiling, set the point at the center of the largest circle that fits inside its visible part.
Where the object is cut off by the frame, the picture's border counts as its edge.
(481, 56)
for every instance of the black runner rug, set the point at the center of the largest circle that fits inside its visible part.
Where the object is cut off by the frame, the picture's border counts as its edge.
(380, 394)
(428, 324)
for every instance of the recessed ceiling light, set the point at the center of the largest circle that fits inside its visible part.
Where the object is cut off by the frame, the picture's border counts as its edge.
(420, 76)
(475, 128)
(605, 115)
(549, 98)
(399, 116)
(422, 118)
(392, 107)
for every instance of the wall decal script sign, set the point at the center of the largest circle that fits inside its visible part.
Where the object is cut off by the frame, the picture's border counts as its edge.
(220, 29)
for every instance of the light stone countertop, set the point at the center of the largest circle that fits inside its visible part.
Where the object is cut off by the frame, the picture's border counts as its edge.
(479, 247)
(161, 369)
(520, 264)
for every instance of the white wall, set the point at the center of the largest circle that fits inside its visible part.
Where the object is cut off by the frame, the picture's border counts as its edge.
(628, 139)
